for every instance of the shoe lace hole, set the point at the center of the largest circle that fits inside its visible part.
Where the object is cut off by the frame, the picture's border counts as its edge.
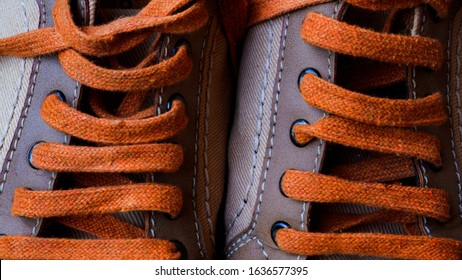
(307, 71)
(30, 156)
(292, 133)
(181, 248)
(60, 95)
(179, 43)
(280, 184)
(173, 97)
(277, 226)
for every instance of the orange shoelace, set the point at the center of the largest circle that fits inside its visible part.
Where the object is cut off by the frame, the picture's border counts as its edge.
(374, 124)
(125, 142)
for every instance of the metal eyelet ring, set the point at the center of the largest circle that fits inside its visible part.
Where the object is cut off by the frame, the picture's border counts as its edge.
(280, 185)
(181, 248)
(277, 226)
(292, 133)
(179, 43)
(29, 154)
(307, 71)
(60, 95)
(173, 97)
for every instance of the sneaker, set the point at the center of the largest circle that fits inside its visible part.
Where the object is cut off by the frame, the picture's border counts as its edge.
(346, 141)
(113, 128)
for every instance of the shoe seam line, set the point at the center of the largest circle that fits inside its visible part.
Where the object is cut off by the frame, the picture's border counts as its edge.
(268, 161)
(258, 129)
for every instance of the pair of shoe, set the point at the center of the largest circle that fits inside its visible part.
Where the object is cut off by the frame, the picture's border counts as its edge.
(117, 139)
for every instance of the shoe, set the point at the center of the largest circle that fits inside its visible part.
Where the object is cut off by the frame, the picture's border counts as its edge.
(113, 125)
(346, 140)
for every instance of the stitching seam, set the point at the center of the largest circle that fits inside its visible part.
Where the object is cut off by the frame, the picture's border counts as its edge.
(458, 111)
(26, 112)
(414, 95)
(196, 146)
(258, 129)
(240, 245)
(268, 161)
(263, 249)
(206, 134)
(23, 118)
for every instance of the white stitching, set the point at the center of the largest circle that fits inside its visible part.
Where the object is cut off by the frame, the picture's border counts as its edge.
(160, 95)
(44, 17)
(424, 171)
(196, 148)
(247, 242)
(258, 129)
(23, 118)
(414, 96)
(229, 254)
(262, 249)
(26, 112)
(254, 222)
(206, 134)
(458, 110)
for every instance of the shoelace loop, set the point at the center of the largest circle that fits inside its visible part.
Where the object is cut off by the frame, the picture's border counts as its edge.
(375, 124)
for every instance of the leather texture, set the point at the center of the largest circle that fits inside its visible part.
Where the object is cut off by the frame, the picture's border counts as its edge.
(270, 205)
(447, 81)
(47, 76)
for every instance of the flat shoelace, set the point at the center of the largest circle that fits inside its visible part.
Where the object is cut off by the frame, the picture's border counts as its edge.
(374, 124)
(126, 142)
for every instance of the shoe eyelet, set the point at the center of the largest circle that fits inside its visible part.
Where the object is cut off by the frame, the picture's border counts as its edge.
(181, 248)
(280, 185)
(308, 71)
(277, 226)
(60, 95)
(179, 43)
(29, 154)
(292, 133)
(173, 97)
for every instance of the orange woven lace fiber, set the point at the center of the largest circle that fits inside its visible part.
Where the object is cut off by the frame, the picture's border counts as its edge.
(126, 141)
(374, 124)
